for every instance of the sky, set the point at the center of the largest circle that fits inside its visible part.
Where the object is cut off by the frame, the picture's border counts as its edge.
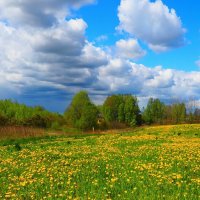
(51, 49)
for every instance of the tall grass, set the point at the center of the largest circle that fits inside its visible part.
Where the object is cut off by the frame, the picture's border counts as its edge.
(13, 132)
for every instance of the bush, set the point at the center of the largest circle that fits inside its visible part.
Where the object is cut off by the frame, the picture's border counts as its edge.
(37, 121)
(133, 123)
(102, 125)
(55, 126)
(3, 120)
(117, 125)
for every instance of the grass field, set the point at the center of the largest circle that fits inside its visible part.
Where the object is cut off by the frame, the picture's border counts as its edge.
(160, 162)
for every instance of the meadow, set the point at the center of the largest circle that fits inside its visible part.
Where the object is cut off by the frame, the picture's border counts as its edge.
(158, 162)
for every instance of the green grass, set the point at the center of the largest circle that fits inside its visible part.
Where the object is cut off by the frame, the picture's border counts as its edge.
(147, 163)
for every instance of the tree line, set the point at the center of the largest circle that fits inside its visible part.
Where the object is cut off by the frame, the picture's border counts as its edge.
(117, 111)
(120, 111)
(13, 113)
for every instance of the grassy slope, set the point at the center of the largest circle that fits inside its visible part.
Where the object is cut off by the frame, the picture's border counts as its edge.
(160, 162)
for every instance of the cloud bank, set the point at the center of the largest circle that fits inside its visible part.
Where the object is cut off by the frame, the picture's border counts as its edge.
(45, 58)
(38, 13)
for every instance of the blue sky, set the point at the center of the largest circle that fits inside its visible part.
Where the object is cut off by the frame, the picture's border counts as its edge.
(102, 19)
(52, 49)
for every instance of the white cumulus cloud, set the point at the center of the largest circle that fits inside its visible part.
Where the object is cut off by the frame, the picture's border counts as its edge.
(129, 49)
(152, 22)
(128, 77)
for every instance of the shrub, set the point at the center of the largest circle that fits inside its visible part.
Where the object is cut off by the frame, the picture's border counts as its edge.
(3, 120)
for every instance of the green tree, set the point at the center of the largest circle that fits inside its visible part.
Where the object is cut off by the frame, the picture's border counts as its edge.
(123, 109)
(121, 113)
(197, 115)
(111, 107)
(178, 113)
(88, 119)
(131, 110)
(81, 113)
(154, 112)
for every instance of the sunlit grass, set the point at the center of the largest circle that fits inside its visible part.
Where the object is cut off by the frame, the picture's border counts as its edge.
(148, 163)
